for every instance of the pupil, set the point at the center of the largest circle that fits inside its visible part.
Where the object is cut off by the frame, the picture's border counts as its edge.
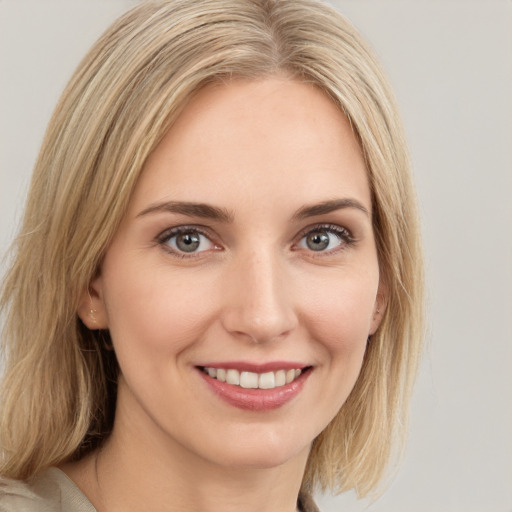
(187, 242)
(318, 241)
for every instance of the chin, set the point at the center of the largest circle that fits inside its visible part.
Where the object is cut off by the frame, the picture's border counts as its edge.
(263, 451)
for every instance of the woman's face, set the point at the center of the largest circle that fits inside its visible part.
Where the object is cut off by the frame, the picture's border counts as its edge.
(246, 254)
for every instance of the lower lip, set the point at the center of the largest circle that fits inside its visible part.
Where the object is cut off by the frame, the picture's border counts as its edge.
(256, 399)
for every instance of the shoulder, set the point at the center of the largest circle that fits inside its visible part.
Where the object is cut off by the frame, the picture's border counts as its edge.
(21, 496)
(50, 491)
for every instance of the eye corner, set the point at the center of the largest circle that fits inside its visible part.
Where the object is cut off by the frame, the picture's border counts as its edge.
(190, 245)
(330, 239)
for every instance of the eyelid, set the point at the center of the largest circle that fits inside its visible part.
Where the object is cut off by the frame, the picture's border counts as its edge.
(342, 232)
(164, 236)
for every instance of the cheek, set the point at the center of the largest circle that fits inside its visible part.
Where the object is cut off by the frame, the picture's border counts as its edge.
(155, 312)
(342, 309)
(340, 321)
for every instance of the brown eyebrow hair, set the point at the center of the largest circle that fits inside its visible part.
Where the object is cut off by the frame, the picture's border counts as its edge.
(193, 209)
(222, 215)
(328, 207)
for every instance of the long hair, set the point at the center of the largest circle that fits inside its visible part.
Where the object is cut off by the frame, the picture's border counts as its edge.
(59, 389)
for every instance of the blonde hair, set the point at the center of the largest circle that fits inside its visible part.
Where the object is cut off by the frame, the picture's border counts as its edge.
(58, 393)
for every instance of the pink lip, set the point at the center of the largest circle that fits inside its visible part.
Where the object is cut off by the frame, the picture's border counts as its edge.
(244, 366)
(255, 399)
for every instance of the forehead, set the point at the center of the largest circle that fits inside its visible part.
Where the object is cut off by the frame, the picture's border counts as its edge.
(278, 136)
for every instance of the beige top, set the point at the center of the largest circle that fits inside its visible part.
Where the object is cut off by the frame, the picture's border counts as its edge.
(53, 491)
(50, 491)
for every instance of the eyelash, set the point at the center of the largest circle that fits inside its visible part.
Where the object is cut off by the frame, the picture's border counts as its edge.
(164, 237)
(344, 235)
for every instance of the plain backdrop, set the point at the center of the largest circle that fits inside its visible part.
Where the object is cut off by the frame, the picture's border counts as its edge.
(450, 62)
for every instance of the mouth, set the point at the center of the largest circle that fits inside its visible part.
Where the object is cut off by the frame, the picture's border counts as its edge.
(254, 380)
(262, 390)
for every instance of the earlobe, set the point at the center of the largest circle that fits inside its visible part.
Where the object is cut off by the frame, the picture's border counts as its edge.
(378, 309)
(92, 308)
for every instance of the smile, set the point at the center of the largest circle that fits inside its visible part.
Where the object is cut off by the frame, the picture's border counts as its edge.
(255, 387)
(253, 380)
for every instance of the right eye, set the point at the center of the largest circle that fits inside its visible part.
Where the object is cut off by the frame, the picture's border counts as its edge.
(185, 241)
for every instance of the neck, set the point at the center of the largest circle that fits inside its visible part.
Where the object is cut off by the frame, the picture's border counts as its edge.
(135, 471)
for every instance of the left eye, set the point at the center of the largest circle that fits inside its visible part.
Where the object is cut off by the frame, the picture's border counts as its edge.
(188, 241)
(321, 240)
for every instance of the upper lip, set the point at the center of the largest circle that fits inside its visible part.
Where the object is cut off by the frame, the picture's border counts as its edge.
(245, 366)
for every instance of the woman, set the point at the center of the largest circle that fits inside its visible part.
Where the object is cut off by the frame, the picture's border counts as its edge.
(215, 298)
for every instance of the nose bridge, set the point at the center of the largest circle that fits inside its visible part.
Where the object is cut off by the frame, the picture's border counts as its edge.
(260, 306)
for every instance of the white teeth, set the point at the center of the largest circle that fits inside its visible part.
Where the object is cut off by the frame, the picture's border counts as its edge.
(249, 380)
(233, 377)
(280, 378)
(267, 381)
(252, 380)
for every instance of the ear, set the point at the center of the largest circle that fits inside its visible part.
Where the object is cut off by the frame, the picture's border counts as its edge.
(92, 309)
(379, 308)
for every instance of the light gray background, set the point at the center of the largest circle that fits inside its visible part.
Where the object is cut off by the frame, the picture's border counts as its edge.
(450, 62)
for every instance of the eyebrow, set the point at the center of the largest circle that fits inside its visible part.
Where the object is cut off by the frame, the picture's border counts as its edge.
(328, 207)
(202, 210)
(207, 211)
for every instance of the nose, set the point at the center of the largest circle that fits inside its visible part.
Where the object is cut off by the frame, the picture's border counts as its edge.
(259, 303)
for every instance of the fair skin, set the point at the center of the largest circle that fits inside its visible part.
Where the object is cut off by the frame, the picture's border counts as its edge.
(247, 245)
